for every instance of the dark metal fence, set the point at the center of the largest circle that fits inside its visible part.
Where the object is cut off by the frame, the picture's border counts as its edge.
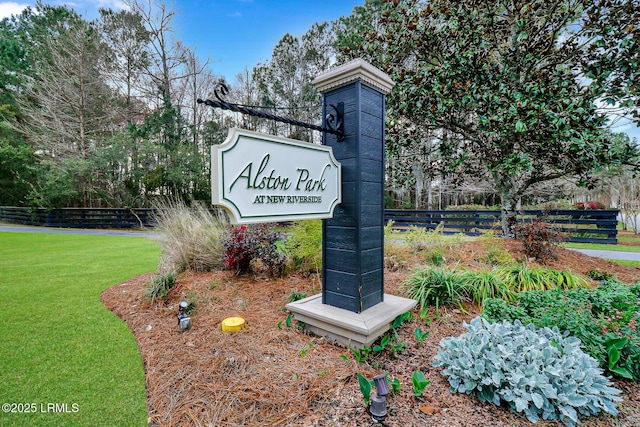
(587, 226)
(590, 226)
(78, 217)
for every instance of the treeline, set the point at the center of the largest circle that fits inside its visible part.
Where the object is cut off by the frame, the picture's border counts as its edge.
(103, 113)
(494, 103)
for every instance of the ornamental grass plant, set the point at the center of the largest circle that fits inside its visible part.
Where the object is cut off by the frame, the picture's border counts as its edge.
(435, 287)
(190, 237)
(523, 277)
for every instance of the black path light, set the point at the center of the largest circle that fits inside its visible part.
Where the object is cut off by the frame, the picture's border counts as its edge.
(378, 408)
(184, 321)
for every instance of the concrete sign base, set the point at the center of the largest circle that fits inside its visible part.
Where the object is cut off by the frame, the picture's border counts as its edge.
(354, 330)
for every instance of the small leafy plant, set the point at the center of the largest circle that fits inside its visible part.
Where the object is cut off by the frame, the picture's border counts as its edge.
(600, 276)
(287, 321)
(295, 296)
(419, 383)
(420, 335)
(365, 387)
(538, 372)
(361, 354)
(161, 284)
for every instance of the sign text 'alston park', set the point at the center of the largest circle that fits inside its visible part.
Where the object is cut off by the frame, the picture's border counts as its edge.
(261, 178)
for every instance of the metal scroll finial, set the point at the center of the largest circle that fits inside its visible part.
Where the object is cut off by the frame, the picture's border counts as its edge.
(221, 90)
(333, 120)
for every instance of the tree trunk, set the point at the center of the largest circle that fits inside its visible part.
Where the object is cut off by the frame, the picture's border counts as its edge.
(509, 211)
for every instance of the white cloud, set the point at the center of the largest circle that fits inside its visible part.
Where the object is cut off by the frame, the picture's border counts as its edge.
(110, 4)
(11, 8)
(235, 15)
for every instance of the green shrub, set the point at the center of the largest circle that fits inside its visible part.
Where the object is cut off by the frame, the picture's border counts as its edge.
(595, 316)
(600, 276)
(494, 250)
(538, 372)
(416, 238)
(434, 255)
(304, 245)
(435, 287)
(190, 238)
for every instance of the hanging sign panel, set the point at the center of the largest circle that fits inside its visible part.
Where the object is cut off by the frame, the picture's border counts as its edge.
(263, 178)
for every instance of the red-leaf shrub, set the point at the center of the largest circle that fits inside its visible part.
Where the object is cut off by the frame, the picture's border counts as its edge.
(538, 239)
(590, 205)
(245, 244)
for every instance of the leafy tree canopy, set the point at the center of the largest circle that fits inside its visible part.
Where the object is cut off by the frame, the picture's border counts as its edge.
(514, 87)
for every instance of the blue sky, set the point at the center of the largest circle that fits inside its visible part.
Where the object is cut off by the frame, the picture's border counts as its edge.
(235, 34)
(231, 33)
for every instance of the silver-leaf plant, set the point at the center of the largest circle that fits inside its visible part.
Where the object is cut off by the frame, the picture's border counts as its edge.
(538, 372)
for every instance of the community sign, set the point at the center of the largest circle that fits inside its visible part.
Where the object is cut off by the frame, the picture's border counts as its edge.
(262, 178)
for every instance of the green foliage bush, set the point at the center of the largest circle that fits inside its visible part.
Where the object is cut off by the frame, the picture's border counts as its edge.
(304, 245)
(494, 251)
(538, 372)
(596, 316)
(417, 238)
(190, 238)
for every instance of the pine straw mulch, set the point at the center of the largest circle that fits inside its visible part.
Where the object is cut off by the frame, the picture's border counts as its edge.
(271, 376)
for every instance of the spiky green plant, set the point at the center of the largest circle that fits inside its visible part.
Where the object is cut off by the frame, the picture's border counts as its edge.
(485, 284)
(435, 287)
(522, 277)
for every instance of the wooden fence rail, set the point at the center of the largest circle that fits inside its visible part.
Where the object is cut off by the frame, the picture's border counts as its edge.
(586, 226)
(78, 217)
(592, 226)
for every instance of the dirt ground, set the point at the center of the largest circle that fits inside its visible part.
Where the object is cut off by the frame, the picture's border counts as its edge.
(273, 375)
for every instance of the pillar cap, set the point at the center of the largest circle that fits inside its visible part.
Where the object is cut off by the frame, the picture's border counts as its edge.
(358, 69)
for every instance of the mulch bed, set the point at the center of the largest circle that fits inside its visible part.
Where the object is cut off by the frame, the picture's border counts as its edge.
(268, 375)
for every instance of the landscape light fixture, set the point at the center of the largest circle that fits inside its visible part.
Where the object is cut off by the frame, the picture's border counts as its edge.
(184, 321)
(378, 408)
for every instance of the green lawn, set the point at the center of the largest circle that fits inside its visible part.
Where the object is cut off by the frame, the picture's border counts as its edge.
(60, 345)
(602, 247)
(628, 263)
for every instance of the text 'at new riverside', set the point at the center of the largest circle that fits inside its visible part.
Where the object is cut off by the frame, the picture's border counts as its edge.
(259, 178)
(288, 199)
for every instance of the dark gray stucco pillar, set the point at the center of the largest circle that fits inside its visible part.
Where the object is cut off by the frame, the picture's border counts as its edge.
(353, 240)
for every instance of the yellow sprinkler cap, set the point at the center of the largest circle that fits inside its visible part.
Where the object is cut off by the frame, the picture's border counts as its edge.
(233, 324)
